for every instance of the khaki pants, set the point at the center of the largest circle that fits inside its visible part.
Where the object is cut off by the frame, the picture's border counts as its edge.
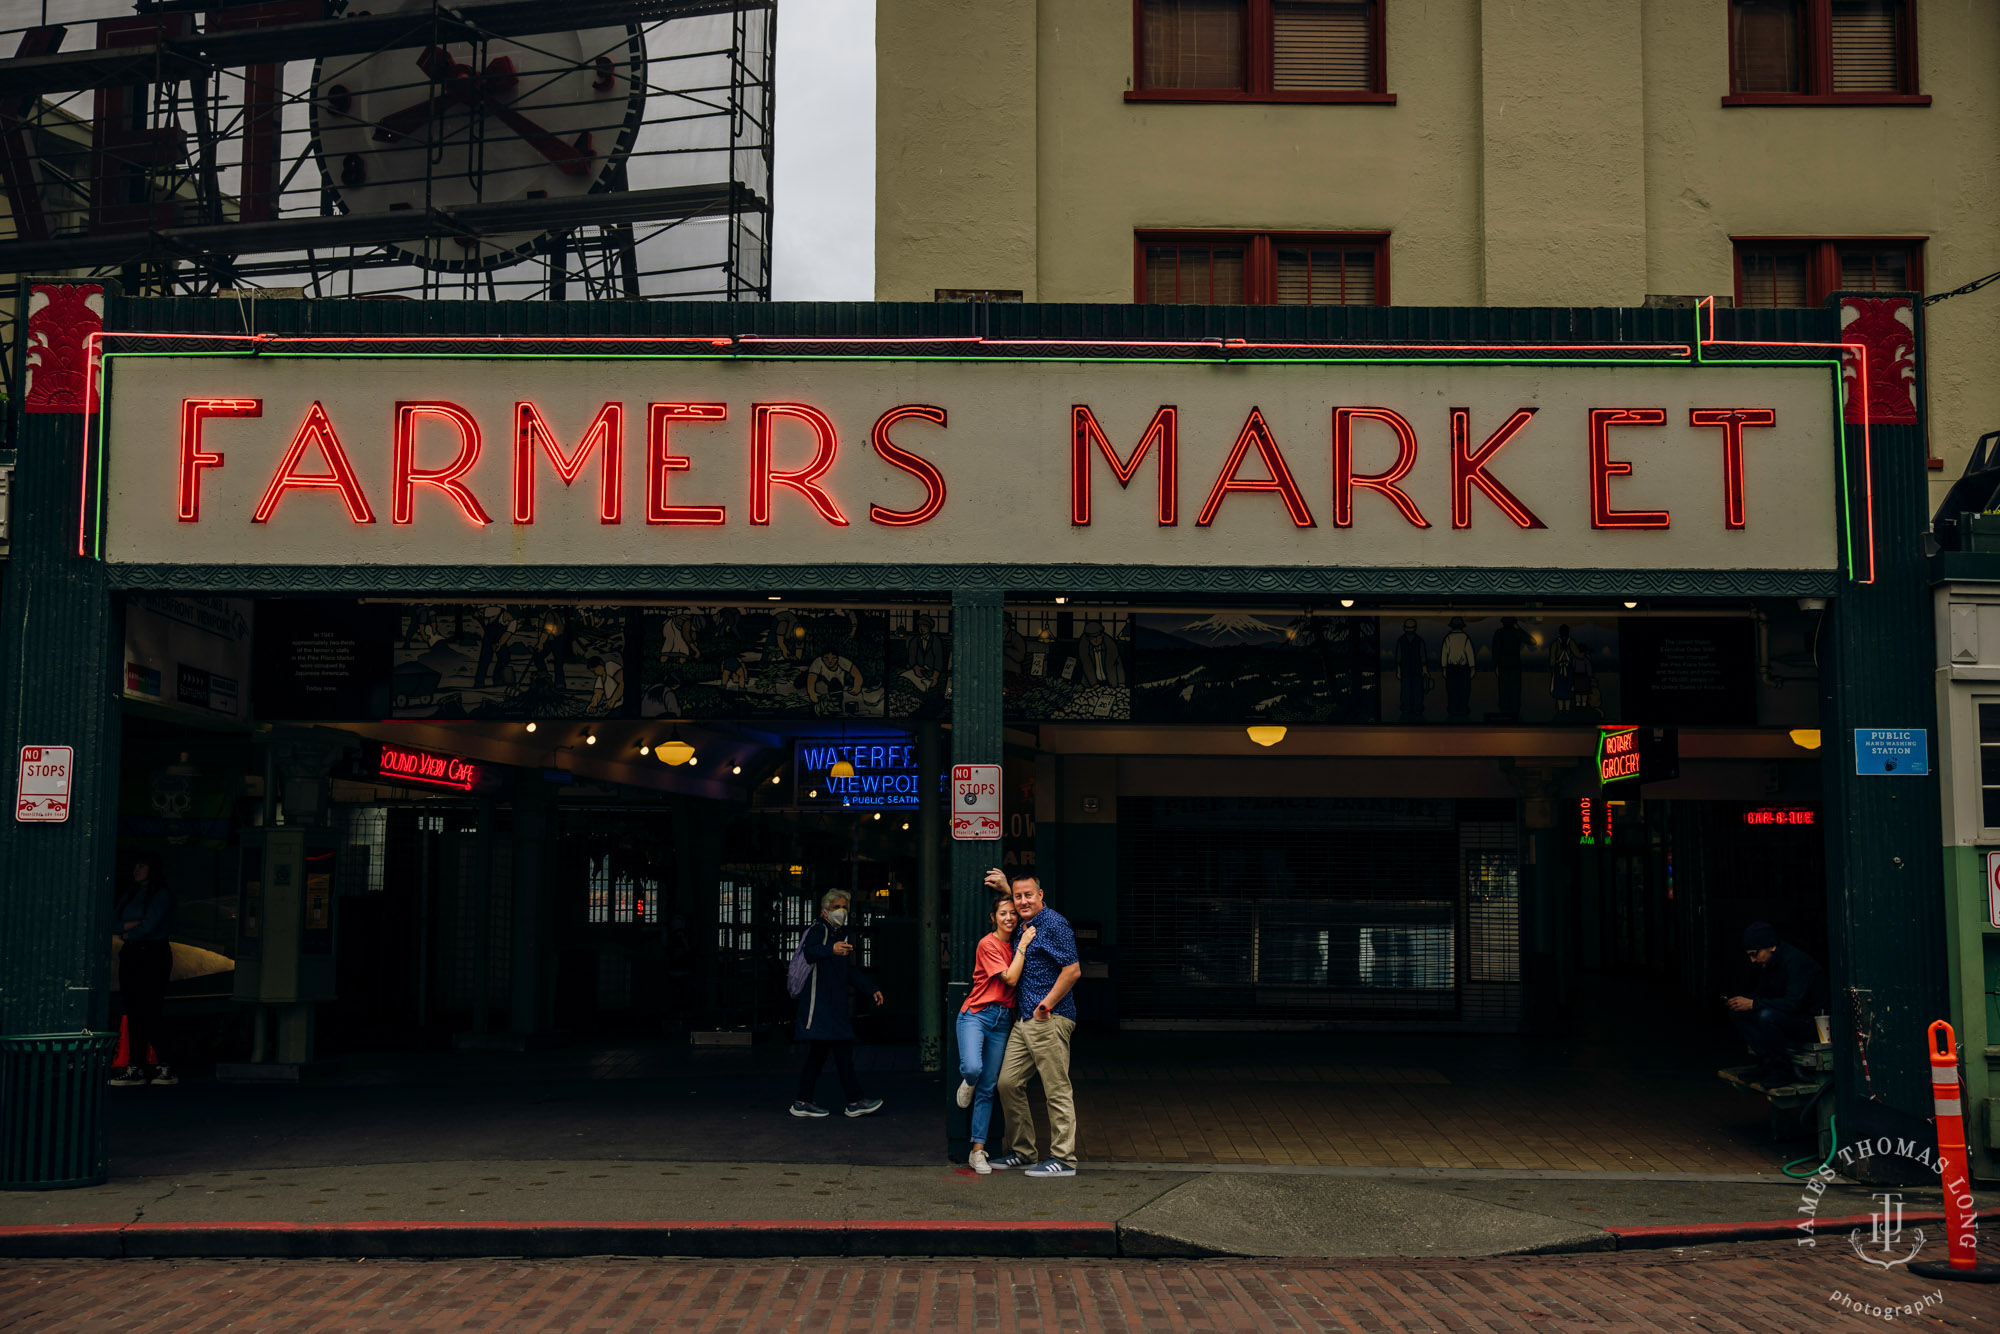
(1042, 1049)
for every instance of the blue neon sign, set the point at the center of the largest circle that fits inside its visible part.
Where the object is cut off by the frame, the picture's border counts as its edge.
(885, 774)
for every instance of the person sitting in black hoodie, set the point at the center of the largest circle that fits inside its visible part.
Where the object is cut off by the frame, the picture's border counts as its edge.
(1788, 990)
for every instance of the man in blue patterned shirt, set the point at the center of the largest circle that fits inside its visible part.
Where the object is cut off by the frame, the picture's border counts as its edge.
(1039, 1043)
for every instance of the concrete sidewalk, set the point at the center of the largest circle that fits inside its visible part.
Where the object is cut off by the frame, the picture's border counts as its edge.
(596, 1207)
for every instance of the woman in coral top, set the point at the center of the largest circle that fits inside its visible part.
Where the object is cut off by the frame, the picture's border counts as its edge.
(985, 1020)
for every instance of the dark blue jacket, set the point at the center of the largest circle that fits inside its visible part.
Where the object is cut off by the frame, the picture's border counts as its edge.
(825, 1009)
(152, 906)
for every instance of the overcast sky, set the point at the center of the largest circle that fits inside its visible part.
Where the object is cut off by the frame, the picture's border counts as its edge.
(824, 248)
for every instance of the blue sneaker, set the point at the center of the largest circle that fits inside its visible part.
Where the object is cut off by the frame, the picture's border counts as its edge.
(1006, 1161)
(1053, 1167)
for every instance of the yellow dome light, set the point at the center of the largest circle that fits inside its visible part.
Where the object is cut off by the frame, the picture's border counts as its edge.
(1266, 734)
(674, 750)
(840, 769)
(1806, 738)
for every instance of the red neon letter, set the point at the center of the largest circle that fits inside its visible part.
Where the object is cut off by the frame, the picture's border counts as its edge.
(1603, 468)
(661, 460)
(1084, 433)
(1732, 421)
(1345, 479)
(408, 477)
(193, 457)
(922, 469)
(316, 430)
(531, 432)
(1255, 432)
(1468, 469)
(804, 480)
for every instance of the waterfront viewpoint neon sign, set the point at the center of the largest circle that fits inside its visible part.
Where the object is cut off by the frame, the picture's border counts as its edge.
(308, 459)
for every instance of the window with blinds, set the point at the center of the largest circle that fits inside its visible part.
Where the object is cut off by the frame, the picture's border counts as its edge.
(1193, 275)
(1192, 43)
(1326, 276)
(1875, 270)
(1262, 268)
(1804, 273)
(1277, 50)
(1821, 48)
(1322, 44)
(1766, 37)
(1866, 37)
(1774, 278)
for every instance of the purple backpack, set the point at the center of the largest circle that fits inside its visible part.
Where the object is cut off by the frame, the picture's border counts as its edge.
(800, 969)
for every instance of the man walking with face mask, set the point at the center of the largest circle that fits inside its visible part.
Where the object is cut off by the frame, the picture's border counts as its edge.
(1039, 1044)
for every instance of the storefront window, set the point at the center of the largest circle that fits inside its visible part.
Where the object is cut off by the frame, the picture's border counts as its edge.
(1989, 765)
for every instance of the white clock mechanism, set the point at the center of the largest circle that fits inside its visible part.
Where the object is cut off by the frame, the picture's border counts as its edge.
(550, 116)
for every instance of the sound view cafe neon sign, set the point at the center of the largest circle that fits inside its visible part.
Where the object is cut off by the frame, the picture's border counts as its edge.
(404, 764)
(318, 461)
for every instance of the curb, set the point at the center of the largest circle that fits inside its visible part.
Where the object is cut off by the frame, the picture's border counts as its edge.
(1655, 1237)
(424, 1239)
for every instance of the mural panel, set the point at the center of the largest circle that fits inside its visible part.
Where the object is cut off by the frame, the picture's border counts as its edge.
(1250, 667)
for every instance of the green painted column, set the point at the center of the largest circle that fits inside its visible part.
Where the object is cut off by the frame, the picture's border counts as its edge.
(977, 663)
(59, 661)
(930, 895)
(1885, 909)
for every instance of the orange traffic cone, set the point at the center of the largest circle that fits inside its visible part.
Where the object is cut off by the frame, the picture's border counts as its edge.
(123, 1056)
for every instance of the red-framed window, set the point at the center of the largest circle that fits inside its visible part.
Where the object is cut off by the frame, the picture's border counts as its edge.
(1823, 52)
(1801, 271)
(1804, 270)
(1258, 51)
(1230, 268)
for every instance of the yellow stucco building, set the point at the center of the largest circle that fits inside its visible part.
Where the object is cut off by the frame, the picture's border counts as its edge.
(1452, 153)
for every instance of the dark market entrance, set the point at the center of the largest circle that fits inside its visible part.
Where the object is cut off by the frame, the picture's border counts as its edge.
(546, 782)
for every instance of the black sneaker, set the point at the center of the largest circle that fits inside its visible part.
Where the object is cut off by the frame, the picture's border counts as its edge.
(128, 1076)
(866, 1107)
(164, 1074)
(808, 1109)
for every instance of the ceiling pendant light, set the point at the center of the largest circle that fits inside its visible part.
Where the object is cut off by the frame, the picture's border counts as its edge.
(1266, 734)
(674, 750)
(842, 767)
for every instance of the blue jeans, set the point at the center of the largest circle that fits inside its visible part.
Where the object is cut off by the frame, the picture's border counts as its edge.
(982, 1044)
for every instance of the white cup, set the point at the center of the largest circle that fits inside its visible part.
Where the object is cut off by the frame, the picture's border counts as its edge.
(1825, 1022)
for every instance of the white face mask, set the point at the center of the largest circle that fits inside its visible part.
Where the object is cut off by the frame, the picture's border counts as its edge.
(838, 916)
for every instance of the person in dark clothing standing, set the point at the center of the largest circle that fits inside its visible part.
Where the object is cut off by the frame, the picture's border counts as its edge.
(1788, 991)
(825, 1019)
(145, 916)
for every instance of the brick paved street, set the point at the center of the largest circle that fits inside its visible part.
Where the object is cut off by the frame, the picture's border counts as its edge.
(1763, 1287)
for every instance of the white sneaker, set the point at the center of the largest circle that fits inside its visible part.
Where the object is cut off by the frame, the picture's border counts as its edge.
(978, 1163)
(964, 1093)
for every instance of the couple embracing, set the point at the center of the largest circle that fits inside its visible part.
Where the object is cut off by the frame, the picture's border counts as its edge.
(1017, 1022)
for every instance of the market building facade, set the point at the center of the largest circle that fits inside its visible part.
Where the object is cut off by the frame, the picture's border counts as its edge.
(1298, 645)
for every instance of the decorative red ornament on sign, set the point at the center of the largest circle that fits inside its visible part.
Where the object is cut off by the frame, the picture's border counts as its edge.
(1887, 328)
(61, 322)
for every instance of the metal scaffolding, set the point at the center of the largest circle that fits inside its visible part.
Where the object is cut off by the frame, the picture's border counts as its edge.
(515, 150)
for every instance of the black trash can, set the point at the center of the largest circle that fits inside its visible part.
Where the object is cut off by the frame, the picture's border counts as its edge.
(52, 1110)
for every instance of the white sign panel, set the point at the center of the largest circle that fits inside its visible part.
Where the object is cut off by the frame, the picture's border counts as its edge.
(975, 801)
(42, 791)
(249, 460)
(1993, 889)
